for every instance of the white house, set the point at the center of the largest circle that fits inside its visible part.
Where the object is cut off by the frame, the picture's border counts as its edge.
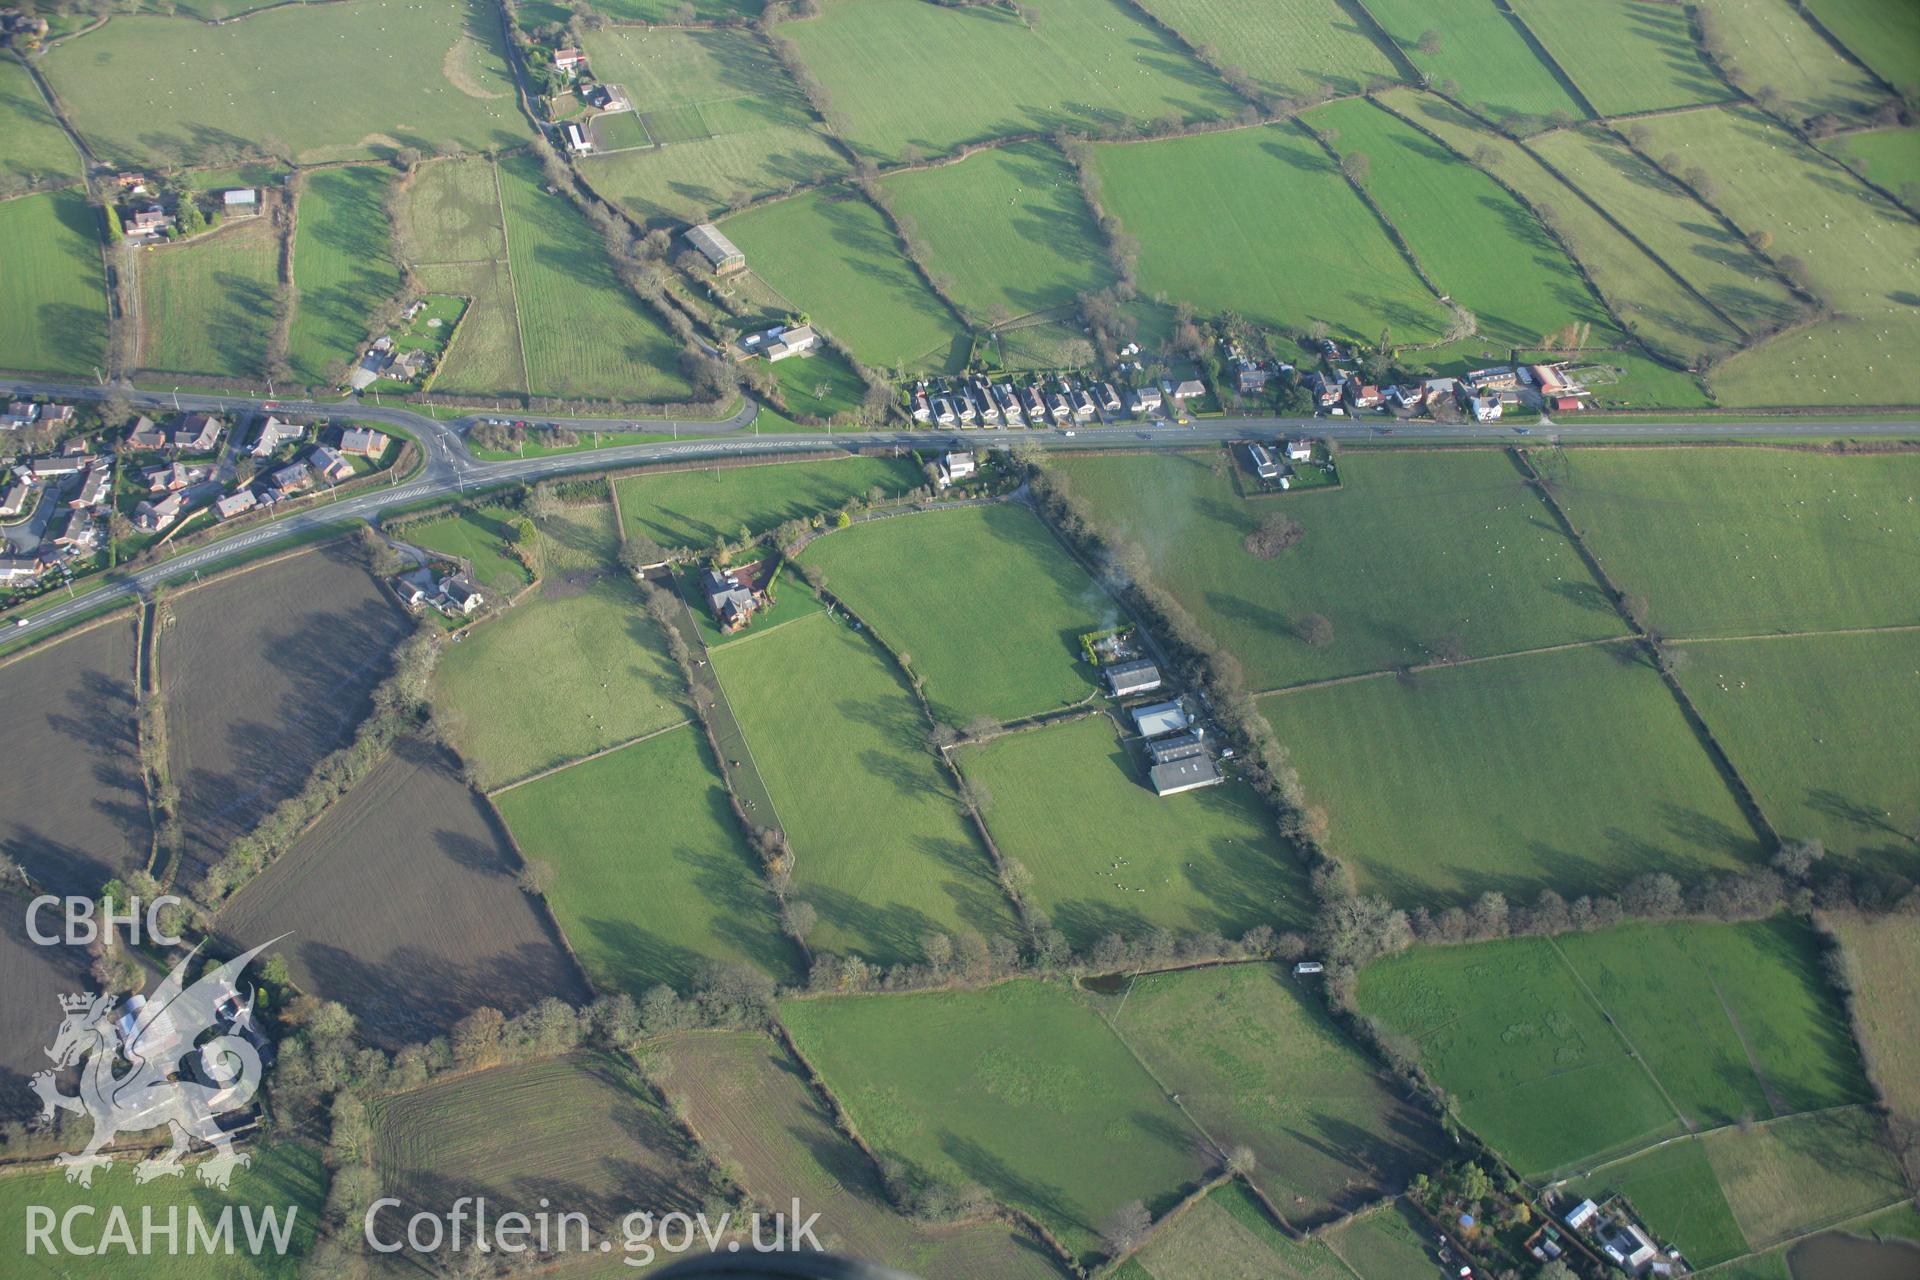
(1299, 451)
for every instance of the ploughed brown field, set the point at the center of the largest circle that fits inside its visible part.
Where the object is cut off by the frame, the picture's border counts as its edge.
(264, 673)
(30, 1012)
(73, 812)
(401, 903)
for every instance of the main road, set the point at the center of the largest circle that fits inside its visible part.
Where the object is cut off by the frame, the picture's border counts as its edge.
(449, 466)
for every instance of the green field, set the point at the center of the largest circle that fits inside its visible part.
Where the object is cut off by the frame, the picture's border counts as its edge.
(427, 76)
(1883, 965)
(451, 213)
(1230, 1236)
(1769, 43)
(791, 600)
(1862, 255)
(55, 319)
(1414, 548)
(584, 332)
(1722, 291)
(1286, 46)
(1891, 157)
(1884, 36)
(1672, 224)
(909, 74)
(37, 148)
(1482, 53)
(692, 508)
(1734, 542)
(481, 536)
(1480, 245)
(1260, 222)
(1793, 1175)
(1679, 1198)
(207, 307)
(821, 384)
(1255, 1059)
(485, 358)
(732, 121)
(1764, 1035)
(1625, 55)
(1573, 769)
(562, 674)
(918, 582)
(659, 11)
(834, 257)
(1807, 723)
(342, 267)
(1528, 1058)
(286, 1179)
(451, 229)
(745, 1094)
(880, 848)
(653, 875)
(1382, 1245)
(1071, 803)
(1020, 1089)
(1010, 227)
(1561, 1052)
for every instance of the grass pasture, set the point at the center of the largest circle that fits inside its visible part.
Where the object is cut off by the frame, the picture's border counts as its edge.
(833, 256)
(692, 508)
(1255, 1058)
(286, 1179)
(653, 876)
(1020, 1088)
(1675, 1190)
(1010, 227)
(821, 384)
(1807, 722)
(1483, 51)
(1861, 254)
(264, 672)
(1885, 37)
(1750, 996)
(55, 320)
(342, 266)
(1614, 782)
(430, 76)
(1288, 47)
(1673, 224)
(582, 1131)
(1500, 578)
(450, 212)
(1382, 1245)
(747, 1095)
(37, 148)
(485, 357)
(880, 848)
(1883, 963)
(1530, 1060)
(561, 675)
(1259, 221)
(1793, 1175)
(1229, 1236)
(1735, 542)
(355, 890)
(1002, 664)
(583, 332)
(1770, 43)
(1891, 157)
(1563, 1051)
(1625, 55)
(1481, 246)
(728, 116)
(1067, 798)
(74, 806)
(906, 74)
(207, 307)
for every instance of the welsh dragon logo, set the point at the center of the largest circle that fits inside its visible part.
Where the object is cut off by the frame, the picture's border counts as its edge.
(156, 1038)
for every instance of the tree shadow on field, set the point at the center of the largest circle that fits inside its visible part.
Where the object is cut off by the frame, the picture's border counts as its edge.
(1044, 1200)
